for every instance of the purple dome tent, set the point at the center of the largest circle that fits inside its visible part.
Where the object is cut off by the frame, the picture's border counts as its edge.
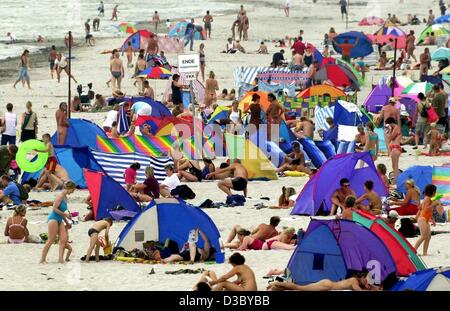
(331, 249)
(357, 167)
(379, 97)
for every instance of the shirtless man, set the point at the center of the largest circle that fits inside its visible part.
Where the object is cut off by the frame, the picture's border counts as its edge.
(238, 183)
(117, 72)
(152, 47)
(374, 207)
(297, 61)
(262, 232)
(62, 123)
(246, 280)
(115, 12)
(52, 55)
(141, 65)
(389, 111)
(148, 91)
(304, 128)
(130, 54)
(355, 283)
(53, 181)
(94, 232)
(338, 197)
(155, 21)
(296, 161)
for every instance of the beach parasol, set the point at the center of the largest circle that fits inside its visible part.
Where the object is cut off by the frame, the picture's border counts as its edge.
(441, 54)
(442, 19)
(320, 90)
(446, 70)
(416, 88)
(339, 75)
(388, 35)
(362, 44)
(127, 27)
(155, 73)
(371, 20)
(403, 81)
(437, 29)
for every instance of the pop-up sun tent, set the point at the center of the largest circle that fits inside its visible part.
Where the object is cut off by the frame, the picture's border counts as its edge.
(357, 167)
(346, 113)
(139, 40)
(403, 253)
(180, 29)
(108, 195)
(168, 219)
(422, 176)
(362, 44)
(330, 249)
(434, 279)
(81, 133)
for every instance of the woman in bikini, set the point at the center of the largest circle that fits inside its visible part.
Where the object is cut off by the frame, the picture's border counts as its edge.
(246, 242)
(211, 86)
(394, 138)
(16, 226)
(371, 144)
(201, 53)
(424, 216)
(410, 204)
(190, 170)
(246, 280)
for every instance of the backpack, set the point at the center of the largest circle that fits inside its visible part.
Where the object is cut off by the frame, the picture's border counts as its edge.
(183, 192)
(423, 112)
(23, 193)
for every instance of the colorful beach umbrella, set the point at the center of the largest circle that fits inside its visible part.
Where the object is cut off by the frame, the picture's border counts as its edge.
(388, 35)
(416, 88)
(437, 29)
(155, 73)
(339, 75)
(441, 54)
(390, 31)
(404, 255)
(127, 27)
(362, 44)
(403, 81)
(355, 72)
(442, 19)
(371, 20)
(320, 90)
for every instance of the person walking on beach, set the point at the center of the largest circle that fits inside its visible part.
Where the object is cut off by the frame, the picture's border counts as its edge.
(410, 46)
(29, 125)
(9, 124)
(115, 12)
(207, 20)
(424, 216)
(51, 59)
(156, 20)
(62, 123)
(287, 7)
(201, 53)
(344, 5)
(117, 72)
(189, 35)
(24, 67)
(101, 9)
(59, 222)
(62, 65)
(96, 23)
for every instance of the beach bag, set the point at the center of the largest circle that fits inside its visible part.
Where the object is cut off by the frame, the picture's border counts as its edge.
(183, 192)
(432, 115)
(407, 228)
(23, 193)
(235, 200)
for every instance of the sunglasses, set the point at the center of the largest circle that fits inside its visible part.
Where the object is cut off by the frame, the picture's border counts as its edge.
(346, 185)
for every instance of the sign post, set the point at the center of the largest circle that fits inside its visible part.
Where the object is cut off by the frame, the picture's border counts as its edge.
(189, 66)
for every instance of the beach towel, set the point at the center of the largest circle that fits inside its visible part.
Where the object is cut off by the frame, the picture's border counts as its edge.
(441, 179)
(114, 165)
(381, 140)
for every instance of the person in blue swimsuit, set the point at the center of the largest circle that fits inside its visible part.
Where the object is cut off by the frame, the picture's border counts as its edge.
(58, 222)
(371, 141)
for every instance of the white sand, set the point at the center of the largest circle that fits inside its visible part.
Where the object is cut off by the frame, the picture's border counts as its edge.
(20, 268)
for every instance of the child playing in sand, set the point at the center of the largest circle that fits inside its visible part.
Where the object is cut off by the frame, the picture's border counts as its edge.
(436, 139)
(130, 175)
(94, 232)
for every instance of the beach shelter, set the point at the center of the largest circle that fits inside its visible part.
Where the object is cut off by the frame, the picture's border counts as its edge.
(442, 19)
(371, 20)
(159, 110)
(403, 253)
(180, 28)
(358, 167)
(81, 133)
(139, 40)
(126, 27)
(339, 75)
(362, 44)
(434, 279)
(441, 53)
(251, 156)
(321, 90)
(419, 87)
(346, 113)
(245, 102)
(108, 195)
(316, 53)
(350, 67)
(74, 160)
(166, 219)
(441, 179)
(437, 29)
(422, 176)
(156, 73)
(220, 113)
(332, 249)
(379, 96)
(388, 35)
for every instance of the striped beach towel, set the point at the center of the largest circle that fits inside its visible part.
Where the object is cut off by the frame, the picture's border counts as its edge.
(441, 179)
(247, 75)
(114, 165)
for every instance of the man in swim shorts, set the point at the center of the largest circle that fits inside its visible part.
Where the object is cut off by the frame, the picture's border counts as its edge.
(94, 232)
(237, 183)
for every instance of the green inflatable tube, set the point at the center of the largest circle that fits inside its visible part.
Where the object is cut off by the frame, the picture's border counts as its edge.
(40, 159)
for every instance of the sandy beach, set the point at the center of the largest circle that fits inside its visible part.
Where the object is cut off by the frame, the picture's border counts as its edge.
(20, 263)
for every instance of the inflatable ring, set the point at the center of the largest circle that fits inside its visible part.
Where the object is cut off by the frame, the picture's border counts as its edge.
(295, 174)
(39, 161)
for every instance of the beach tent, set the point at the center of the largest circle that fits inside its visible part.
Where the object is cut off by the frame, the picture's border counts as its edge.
(379, 96)
(422, 176)
(159, 110)
(403, 253)
(245, 102)
(352, 68)
(388, 34)
(434, 279)
(252, 157)
(358, 167)
(441, 53)
(363, 45)
(139, 40)
(180, 28)
(220, 113)
(330, 249)
(437, 29)
(442, 19)
(170, 45)
(346, 113)
(166, 219)
(164, 126)
(371, 20)
(339, 75)
(321, 90)
(81, 133)
(441, 179)
(74, 160)
(108, 195)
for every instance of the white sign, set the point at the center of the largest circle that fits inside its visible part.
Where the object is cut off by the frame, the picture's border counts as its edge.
(189, 76)
(189, 63)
